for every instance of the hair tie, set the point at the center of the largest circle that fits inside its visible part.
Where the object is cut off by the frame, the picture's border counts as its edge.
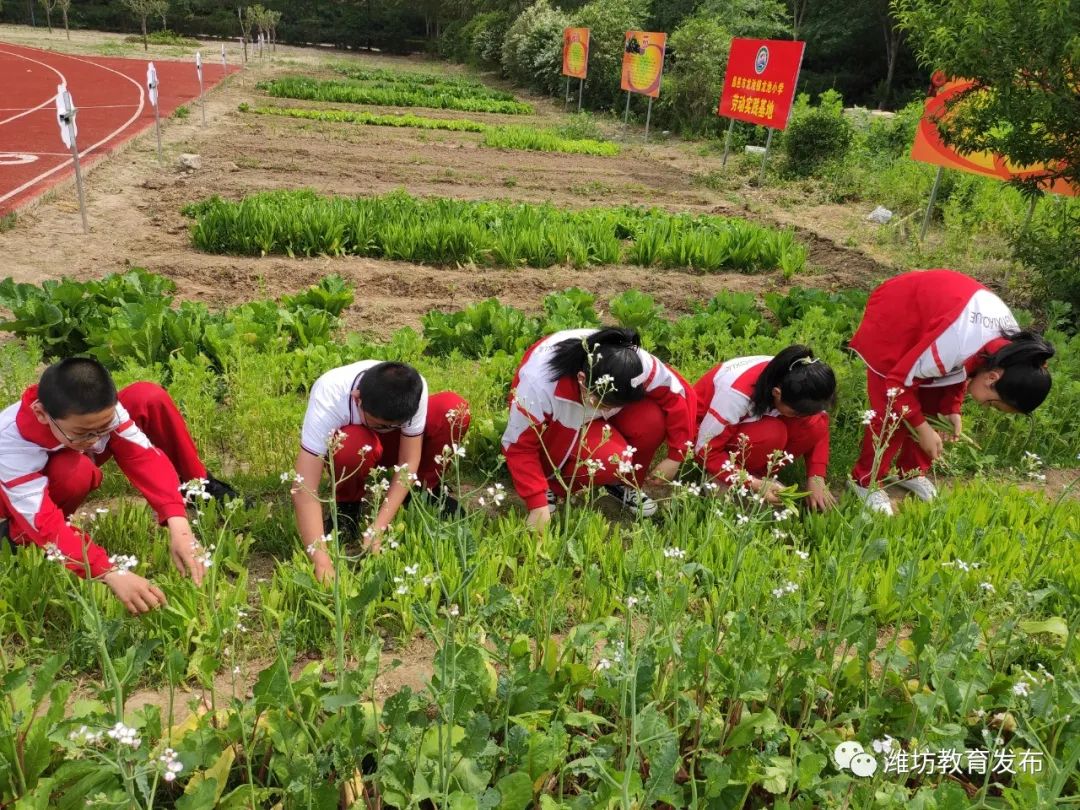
(803, 361)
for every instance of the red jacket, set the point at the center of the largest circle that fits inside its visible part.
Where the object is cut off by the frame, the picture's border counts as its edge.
(546, 416)
(25, 448)
(929, 328)
(729, 391)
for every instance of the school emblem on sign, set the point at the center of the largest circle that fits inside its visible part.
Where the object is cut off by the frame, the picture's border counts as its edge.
(762, 60)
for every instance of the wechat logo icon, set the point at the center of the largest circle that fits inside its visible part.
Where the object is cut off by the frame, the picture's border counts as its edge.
(850, 756)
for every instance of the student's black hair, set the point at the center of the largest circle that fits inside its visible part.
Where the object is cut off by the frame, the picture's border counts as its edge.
(391, 391)
(807, 385)
(1025, 379)
(614, 354)
(76, 386)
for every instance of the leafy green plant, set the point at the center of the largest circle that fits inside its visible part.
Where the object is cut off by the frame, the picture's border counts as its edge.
(349, 92)
(443, 231)
(540, 140)
(816, 135)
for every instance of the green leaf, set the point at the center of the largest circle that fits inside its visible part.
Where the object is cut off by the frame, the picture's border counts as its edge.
(1055, 626)
(515, 791)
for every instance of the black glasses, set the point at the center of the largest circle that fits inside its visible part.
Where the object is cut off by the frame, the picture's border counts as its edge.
(93, 436)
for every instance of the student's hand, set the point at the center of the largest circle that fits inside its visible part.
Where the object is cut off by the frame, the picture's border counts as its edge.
(137, 594)
(768, 489)
(665, 471)
(820, 498)
(324, 567)
(185, 550)
(957, 423)
(373, 537)
(930, 441)
(538, 518)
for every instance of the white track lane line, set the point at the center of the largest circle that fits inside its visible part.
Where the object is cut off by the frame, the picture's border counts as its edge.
(88, 150)
(47, 101)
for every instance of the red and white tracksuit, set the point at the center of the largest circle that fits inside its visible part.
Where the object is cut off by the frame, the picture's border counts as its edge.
(922, 334)
(364, 448)
(42, 482)
(551, 434)
(729, 389)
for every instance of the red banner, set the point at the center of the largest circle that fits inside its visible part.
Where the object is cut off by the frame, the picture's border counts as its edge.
(643, 62)
(575, 53)
(929, 148)
(759, 86)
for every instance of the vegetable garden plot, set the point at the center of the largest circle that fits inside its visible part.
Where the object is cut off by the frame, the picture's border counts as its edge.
(444, 231)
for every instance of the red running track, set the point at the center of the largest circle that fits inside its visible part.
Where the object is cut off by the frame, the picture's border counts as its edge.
(112, 102)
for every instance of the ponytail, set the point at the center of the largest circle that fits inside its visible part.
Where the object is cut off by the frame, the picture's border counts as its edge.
(609, 354)
(807, 385)
(1025, 380)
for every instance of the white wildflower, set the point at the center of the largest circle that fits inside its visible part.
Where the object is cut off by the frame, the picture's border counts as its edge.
(868, 416)
(1021, 689)
(603, 665)
(884, 745)
(674, 553)
(53, 553)
(123, 562)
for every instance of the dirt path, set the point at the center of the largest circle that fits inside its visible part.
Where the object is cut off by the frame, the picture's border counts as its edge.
(134, 206)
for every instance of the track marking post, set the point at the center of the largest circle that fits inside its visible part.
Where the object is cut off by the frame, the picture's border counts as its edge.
(65, 117)
(152, 91)
(202, 92)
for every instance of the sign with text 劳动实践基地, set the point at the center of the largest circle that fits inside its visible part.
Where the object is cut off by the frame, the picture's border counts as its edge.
(575, 53)
(930, 148)
(759, 86)
(643, 62)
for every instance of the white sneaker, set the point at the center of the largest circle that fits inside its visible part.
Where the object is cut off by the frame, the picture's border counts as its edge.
(876, 500)
(633, 500)
(922, 486)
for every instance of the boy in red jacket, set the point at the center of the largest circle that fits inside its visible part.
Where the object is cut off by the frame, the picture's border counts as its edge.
(52, 445)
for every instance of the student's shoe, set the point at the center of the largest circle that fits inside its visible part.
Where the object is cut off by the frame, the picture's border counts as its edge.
(876, 500)
(219, 490)
(553, 502)
(633, 500)
(922, 486)
(449, 507)
(348, 513)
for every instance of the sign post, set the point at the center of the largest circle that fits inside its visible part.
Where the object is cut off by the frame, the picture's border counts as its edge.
(759, 86)
(65, 117)
(152, 91)
(224, 61)
(202, 93)
(642, 68)
(575, 60)
(929, 147)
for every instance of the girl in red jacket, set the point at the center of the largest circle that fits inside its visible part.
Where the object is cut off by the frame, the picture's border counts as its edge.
(591, 407)
(927, 338)
(758, 405)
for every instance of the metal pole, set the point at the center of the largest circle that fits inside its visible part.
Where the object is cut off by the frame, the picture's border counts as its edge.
(727, 142)
(567, 101)
(157, 129)
(580, 93)
(79, 185)
(930, 207)
(1030, 213)
(765, 157)
(626, 115)
(648, 118)
(202, 97)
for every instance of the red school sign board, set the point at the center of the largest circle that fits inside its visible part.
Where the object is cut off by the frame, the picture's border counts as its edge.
(759, 86)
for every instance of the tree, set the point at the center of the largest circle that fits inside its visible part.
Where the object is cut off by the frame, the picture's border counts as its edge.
(798, 16)
(48, 5)
(143, 10)
(65, 6)
(894, 36)
(1024, 59)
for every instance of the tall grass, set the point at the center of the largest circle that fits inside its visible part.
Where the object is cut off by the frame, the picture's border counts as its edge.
(444, 231)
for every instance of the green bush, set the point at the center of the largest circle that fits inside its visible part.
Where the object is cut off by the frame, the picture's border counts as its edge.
(694, 77)
(817, 135)
(484, 34)
(163, 38)
(608, 21)
(532, 49)
(350, 92)
(892, 137)
(1051, 247)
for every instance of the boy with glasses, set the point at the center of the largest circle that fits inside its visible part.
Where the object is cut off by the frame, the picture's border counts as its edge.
(52, 445)
(362, 415)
